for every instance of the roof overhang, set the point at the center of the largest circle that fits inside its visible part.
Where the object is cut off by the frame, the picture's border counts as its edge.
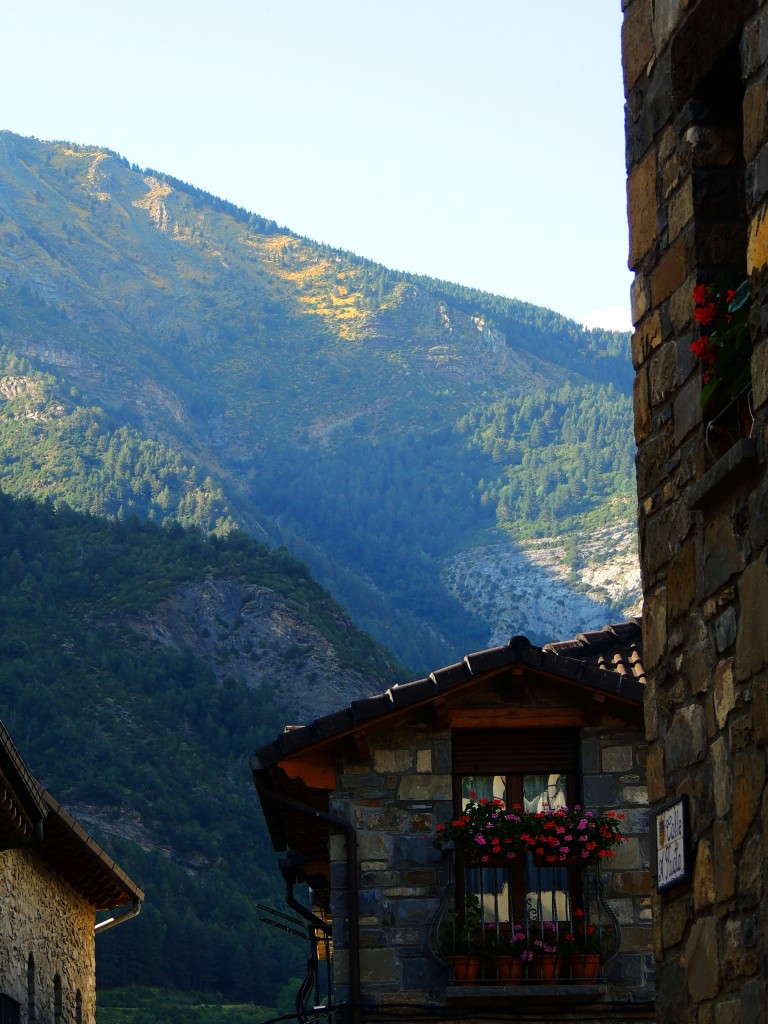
(519, 660)
(29, 816)
(22, 807)
(298, 766)
(68, 850)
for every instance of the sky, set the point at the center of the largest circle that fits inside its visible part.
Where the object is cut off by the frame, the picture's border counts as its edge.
(477, 142)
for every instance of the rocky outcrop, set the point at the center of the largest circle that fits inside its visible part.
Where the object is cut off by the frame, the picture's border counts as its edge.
(251, 633)
(153, 203)
(550, 588)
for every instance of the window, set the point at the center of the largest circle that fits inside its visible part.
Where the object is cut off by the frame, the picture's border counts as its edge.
(58, 1009)
(522, 906)
(10, 1010)
(31, 1003)
(524, 892)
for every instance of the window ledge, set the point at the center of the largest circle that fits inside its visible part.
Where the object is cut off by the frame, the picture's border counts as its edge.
(737, 462)
(465, 995)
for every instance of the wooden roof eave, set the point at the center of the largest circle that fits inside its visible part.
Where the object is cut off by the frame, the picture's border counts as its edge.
(600, 685)
(21, 799)
(69, 850)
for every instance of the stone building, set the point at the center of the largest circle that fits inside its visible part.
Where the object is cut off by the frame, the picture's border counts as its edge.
(695, 75)
(53, 879)
(353, 799)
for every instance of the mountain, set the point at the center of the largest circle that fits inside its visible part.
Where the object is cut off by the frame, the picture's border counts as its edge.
(453, 466)
(140, 666)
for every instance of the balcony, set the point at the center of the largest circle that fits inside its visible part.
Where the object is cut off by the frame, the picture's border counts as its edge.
(538, 929)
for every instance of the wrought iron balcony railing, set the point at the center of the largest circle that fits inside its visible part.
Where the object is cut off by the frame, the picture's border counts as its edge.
(527, 924)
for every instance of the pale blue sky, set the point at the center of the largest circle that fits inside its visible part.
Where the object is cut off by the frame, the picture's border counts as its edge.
(479, 142)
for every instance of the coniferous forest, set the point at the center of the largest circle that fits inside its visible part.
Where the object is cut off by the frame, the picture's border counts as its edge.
(169, 354)
(145, 744)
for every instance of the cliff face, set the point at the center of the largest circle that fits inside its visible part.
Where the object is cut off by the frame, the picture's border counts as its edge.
(550, 587)
(250, 633)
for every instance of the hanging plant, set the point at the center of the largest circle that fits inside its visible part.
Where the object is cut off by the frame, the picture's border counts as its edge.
(726, 347)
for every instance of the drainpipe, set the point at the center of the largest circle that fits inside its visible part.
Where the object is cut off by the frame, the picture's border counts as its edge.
(353, 911)
(111, 922)
(288, 871)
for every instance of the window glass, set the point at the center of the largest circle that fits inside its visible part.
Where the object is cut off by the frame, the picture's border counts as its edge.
(545, 791)
(524, 890)
(482, 787)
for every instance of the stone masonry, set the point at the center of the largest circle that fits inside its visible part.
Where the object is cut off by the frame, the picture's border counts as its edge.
(46, 920)
(696, 83)
(395, 801)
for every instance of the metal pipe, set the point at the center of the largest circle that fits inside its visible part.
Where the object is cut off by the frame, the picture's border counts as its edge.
(288, 871)
(133, 911)
(353, 906)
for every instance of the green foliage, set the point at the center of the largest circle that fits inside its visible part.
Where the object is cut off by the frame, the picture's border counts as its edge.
(557, 457)
(229, 372)
(56, 447)
(155, 1005)
(594, 353)
(143, 742)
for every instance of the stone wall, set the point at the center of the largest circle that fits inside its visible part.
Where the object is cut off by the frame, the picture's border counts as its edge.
(395, 800)
(43, 916)
(697, 156)
(613, 765)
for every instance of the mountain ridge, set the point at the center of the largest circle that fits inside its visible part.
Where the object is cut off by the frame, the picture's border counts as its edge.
(303, 381)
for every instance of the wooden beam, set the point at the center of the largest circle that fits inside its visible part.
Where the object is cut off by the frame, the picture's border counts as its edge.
(596, 708)
(316, 770)
(517, 718)
(441, 713)
(362, 750)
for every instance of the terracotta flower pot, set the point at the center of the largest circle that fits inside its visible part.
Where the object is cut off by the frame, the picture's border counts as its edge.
(585, 967)
(466, 969)
(510, 968)
(545, 967)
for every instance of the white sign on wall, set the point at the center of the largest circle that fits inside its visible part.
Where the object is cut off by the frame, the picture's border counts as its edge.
(673, 846)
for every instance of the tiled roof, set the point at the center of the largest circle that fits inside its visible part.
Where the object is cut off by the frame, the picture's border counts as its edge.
(608, 660)
(617, 648)
(22, 807)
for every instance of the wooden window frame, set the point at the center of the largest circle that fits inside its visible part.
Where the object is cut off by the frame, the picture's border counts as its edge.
(513, 754)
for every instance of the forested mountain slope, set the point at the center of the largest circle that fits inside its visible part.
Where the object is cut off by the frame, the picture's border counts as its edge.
(139, 667)
(167, 353)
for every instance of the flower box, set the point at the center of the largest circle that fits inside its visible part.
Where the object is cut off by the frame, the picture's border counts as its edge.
(488, 833)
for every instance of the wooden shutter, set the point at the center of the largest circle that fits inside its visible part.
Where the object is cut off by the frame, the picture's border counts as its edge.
(502, 751)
